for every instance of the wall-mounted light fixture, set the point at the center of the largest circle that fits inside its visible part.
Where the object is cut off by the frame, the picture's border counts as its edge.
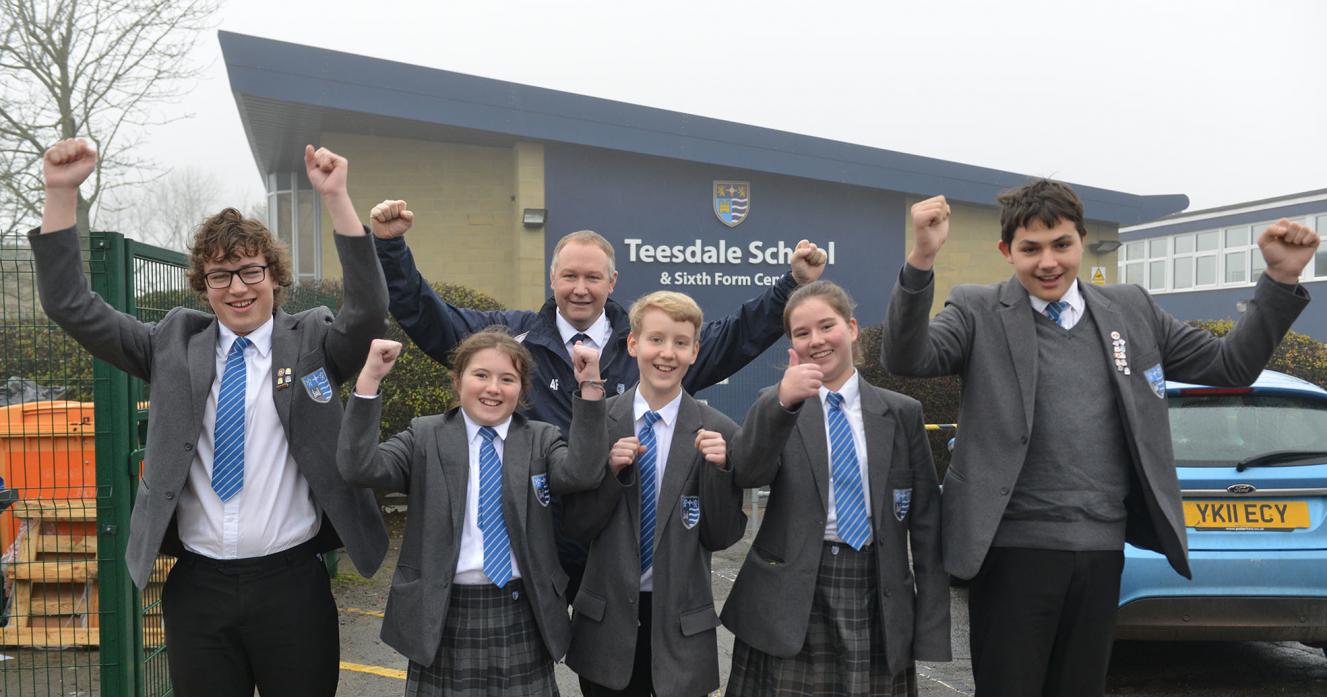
(1104, 246)
(534, 217)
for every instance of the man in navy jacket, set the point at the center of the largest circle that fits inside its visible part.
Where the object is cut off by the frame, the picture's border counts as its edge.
(582, 276)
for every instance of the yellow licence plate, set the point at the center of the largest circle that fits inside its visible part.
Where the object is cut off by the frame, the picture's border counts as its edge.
(1246, 515)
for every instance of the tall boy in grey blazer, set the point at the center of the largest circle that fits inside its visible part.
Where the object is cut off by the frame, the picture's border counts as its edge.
(1064, 448)
(644, 620)
(239, 480)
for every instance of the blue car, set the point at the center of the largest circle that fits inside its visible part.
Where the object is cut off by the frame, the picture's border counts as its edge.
(1252, 466)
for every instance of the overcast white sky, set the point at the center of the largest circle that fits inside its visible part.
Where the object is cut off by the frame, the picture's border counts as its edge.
(1222, 100)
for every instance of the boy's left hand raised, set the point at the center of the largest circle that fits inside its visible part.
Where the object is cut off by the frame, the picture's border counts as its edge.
(1287, 247)
(711, 445)
(585, 366)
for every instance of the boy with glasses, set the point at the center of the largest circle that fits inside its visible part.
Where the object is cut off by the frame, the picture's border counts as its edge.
(240, 481)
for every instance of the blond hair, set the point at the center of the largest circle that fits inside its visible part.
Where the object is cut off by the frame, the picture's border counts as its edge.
(678, 306)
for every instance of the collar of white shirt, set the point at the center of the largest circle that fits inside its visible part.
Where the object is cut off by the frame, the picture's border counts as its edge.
(668, 413)
(598, 331)
(261, 338)
(472, 428)
(850, 390)
(1071, 296)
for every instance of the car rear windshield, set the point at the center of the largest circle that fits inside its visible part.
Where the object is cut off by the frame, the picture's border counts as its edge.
(1219, 430)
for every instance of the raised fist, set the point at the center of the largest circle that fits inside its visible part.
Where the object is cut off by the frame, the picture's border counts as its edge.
(1287, 247)
(391, 219)
(808, 262)
(68, 163)
(326, 170)
(624, 453)
(930, 225)
(711, 446)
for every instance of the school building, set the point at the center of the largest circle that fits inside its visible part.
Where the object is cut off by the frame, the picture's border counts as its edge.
(1203, 264)
(496, 172)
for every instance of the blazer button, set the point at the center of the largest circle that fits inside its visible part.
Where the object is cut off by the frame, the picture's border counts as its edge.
(170, 496)
(188, 447)
(1004, 491)
(1023, 440)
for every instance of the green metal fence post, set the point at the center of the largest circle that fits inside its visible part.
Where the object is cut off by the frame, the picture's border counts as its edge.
(120, 652)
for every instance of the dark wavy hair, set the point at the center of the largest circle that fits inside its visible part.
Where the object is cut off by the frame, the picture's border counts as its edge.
(1043, 200)
(228, 236)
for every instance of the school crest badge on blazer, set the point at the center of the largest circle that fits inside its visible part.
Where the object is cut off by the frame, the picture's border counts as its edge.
(1156, 379)
(902, 502)
(539, 483)
(318, 386)
(690, 511)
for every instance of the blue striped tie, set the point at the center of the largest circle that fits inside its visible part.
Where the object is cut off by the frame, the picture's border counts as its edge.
(648, 492)
(849, 504)
(228, 432)
(1055, 309)
(497, 548)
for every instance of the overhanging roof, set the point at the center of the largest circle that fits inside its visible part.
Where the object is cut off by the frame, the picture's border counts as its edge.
(288, 94)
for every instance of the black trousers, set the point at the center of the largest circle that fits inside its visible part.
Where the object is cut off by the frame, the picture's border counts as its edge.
(266, 622)
(1042, 622)
(642, 671)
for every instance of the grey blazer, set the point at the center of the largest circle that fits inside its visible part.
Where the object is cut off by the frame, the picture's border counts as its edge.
(770, 605)
(430, 462)
(605, 618)
(178, 356)
(987, 335)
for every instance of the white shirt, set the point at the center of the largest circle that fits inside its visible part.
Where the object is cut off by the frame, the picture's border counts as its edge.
(598, 332)
(274, 510)
(663, 438)
(1070, 316)
(470, 564)
(852, 408)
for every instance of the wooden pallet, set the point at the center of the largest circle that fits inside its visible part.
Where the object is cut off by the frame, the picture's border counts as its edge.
(56, 601)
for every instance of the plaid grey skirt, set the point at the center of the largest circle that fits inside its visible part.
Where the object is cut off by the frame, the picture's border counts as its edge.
(490, 647)
(844, 653)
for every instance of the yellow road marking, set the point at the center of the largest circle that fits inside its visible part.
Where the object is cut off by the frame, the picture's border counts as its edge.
(357, 611)
(374, 670)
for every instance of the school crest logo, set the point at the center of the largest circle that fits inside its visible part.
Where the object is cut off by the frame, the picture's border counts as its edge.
(902, 502)
(690, 511)
(318, 386)
(539, 483)
(1156, 379)
(732, 201)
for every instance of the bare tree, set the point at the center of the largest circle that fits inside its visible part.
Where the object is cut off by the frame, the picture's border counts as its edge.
(88, 68)
(164, 212)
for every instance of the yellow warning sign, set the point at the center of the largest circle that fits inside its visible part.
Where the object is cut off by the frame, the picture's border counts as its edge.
(1098, 275)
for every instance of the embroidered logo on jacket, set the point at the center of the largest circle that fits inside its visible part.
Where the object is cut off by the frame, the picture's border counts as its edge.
(690, 511)
(318, 386)
(540, 484)
(902, 502)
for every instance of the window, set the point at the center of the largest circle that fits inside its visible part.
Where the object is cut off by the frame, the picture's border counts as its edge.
(1320, 259)
(293, 214)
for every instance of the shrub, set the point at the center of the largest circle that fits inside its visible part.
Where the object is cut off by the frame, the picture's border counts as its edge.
(418, 385)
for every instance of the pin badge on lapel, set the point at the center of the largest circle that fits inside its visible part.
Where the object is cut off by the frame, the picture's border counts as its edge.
(1121, 358)
(283, 378)
(318, 386)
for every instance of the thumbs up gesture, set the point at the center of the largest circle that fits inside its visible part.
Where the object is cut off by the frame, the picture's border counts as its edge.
(800, 381)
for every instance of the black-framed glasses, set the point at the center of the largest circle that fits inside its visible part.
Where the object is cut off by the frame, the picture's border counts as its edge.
(249, 275)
